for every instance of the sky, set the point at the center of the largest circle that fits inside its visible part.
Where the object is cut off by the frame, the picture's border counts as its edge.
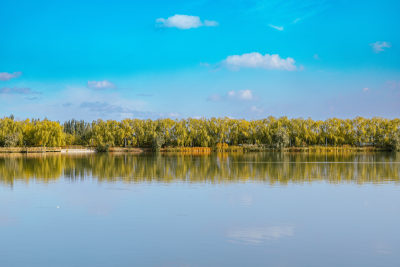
(207, 58)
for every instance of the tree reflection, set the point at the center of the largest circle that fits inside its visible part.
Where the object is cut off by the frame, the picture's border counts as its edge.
(270, 168)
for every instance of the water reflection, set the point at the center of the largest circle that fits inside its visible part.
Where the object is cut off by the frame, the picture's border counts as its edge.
(258, 235)
(271, 168)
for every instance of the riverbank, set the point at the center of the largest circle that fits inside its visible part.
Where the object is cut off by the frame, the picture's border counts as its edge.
(77, 150)
(29, 149)
(194, 150)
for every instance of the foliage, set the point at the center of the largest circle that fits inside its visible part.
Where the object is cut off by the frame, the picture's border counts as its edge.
(102, 148)
(12, 140)
(30, 133)
(158, 141)
(271, 132)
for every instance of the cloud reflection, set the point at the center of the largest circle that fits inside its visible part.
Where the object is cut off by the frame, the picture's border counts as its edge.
(6, 221)
(258, 235)
(383, 248)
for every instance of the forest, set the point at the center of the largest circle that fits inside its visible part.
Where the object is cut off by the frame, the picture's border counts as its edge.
(269, 133)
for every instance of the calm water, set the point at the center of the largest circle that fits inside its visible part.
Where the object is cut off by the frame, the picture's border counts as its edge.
(256, 209)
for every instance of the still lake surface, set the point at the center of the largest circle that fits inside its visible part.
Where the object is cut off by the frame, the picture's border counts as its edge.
(253, 209)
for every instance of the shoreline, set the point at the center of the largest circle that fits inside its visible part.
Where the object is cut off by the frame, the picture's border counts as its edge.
(194, 150)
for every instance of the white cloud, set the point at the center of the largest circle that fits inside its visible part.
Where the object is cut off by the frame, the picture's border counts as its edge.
(279, 28)
(89, 104)
(17, 91)
(173, 115)
(214, 98)
(5, 76)
(287, 11)
(380, 46)
(256, 109)
(104, 108)
(76, 102)
(100, 85)
(256, 60)
(231, 94)
(242, 95)
(365, 89)
(205, 64)
(185, 22)
(296, 20)
(210, 23)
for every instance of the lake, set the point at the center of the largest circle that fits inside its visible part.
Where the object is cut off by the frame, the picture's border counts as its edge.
(252, 209)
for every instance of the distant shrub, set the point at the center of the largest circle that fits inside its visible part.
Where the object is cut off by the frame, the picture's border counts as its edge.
(11, 140)
(157, 143)
(102, 148)
(394, 141)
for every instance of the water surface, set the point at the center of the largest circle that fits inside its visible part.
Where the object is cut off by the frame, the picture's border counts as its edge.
(254, 209)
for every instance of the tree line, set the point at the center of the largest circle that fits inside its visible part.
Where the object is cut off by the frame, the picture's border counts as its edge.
(271, 132)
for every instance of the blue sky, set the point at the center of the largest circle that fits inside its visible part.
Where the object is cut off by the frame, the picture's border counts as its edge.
(242, 59)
